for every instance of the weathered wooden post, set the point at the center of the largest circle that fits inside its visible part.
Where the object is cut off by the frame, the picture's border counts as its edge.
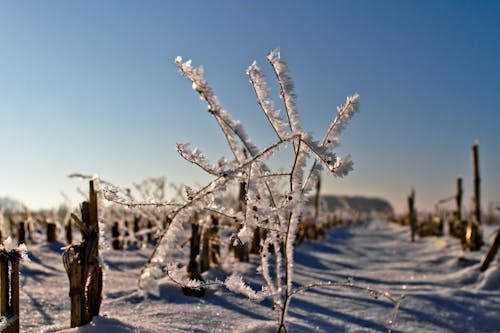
(412, 215)
(51, 232)
(477, 183)
(21, 232)
(210, 245)
(458, 199)
(241, 251)
(491, 253)
(69, 232)
(474, 237)
(139, 238)
(4, 286)
(82, 266)
(9, 286)
(192, 268)
(116, 242)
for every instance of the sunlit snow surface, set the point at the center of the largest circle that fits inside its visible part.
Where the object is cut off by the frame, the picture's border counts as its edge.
(443, 293)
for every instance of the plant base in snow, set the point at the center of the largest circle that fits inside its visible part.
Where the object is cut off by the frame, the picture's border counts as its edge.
(10, 256)
(83, 267)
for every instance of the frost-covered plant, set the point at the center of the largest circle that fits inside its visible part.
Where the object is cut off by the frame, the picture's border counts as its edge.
(267, 205)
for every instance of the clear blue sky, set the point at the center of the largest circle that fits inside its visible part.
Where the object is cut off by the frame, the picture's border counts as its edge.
(90, 87)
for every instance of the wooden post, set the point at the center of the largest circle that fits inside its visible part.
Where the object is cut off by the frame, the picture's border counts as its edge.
(205, 253)
(4, 287)
(95, 269)
(412, 215)
(116, 242)
(21, 233)
(51, 232)
(215, 242)
(76, 293)
(69, 232)
(150, 233)
(82, 265)
(210, 251)
(491, 253)
(474, 237)
(14, 296)
(241, 250)
(316, 200)
(192, 268)
(458, 199)
(9, 291)
(137, 228)
(477, 183)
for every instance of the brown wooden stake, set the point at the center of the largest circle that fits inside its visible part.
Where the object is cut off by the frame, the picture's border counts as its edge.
(474, 237)
(76, 293)
(215, 242)
(192, 268)
(21, 233)
(82, 265)
(412, 215)
(458, 199)
(316, 200)
(116, 242)
(4, 287)
(14, 282)
(69, 232)
(491, 253)
(241, 251)
(477, 183)
(93, 266)
(51, 232)
(205, 252)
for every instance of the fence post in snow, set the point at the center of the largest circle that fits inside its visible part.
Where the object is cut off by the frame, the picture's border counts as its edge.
(69, 232)
(241, 251)
(412, 215)
(192, 268)
(82, 265)
(21, 232)
(51, 232)
(9, 289)
(490, 254)
(458, 199)
(474, 238)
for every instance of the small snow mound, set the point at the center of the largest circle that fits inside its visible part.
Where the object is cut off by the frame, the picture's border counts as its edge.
(491, 280)
(102, 324)
(260, 327)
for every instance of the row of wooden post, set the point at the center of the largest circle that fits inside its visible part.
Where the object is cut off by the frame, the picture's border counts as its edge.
(469, 232)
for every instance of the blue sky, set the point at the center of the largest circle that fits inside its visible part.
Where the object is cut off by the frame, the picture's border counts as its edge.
(91, 87)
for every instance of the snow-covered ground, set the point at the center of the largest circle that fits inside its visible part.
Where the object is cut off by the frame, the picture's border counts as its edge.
(444, 291)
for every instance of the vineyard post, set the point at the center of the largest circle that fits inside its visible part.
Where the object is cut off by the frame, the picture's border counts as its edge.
(82, 265)
(69, 232)
(4, 286)
(477, 183)
(474, 239)
(21, 233)
(51, 232)
(192, 268)
(116, 242)
(491, 253)
(458, 199)
(9, 291)
(412, 215)
(14, 297)
(241, 250)
(93, 266)
(210, 247)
